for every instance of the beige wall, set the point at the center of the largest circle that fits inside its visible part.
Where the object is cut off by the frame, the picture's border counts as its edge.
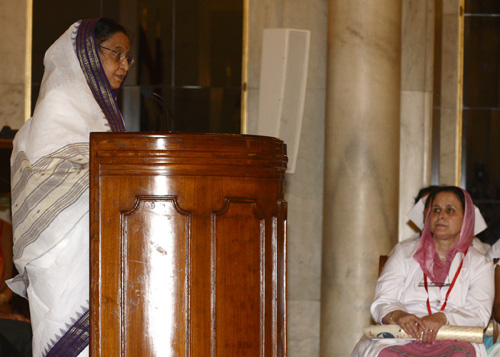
(417, 59)
(422, 73)
(15, 67)
(304, 188)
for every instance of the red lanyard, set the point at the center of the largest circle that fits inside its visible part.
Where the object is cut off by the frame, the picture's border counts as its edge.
(449, 289)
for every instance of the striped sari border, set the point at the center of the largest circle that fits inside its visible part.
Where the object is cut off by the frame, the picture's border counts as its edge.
(86, 49)
(57, 181)
(73, 340)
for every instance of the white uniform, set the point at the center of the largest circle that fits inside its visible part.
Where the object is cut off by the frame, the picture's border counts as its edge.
(400, 287)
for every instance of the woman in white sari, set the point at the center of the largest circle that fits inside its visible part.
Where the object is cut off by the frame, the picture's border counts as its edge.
(84, 69)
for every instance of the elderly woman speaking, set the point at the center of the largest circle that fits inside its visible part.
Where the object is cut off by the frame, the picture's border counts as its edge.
(435, 280)
(84, 69)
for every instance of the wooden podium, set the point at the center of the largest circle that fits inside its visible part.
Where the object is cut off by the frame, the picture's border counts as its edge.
(188, 245)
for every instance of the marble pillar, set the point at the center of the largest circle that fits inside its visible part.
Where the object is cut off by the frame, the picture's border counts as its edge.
(15, 68)
(450, 139)
(361, 163)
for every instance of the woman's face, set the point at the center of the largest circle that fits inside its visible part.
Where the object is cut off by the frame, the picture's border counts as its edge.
(115, 69)
(446, 217)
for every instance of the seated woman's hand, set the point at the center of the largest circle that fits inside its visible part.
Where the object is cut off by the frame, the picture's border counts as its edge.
(431, 325)
(410, 323)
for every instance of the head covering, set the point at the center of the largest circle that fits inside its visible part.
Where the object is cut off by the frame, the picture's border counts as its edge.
(75, 96)
(426, 254)
(87, 51)
(416, 215)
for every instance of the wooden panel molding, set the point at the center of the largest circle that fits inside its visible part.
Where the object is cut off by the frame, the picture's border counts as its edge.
(188, 245)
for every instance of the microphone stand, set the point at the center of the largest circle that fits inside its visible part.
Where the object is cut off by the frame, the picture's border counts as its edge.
(147, 92)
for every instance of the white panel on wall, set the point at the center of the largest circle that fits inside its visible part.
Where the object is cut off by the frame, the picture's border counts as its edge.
(283, 77)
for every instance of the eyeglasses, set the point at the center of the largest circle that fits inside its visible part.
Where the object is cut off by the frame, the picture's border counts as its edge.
(120, 56)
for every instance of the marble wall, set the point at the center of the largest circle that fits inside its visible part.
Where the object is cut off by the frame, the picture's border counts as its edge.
(303, 188)
(15, 67)
(417, 62)
(431, 98)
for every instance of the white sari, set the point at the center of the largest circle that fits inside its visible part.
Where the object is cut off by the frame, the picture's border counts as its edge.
(50, 195)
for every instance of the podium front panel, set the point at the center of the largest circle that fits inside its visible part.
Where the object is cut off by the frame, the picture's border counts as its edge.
(188, 245)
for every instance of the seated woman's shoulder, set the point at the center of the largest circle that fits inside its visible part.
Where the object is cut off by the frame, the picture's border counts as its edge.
(479, 260)
(414, 239)
(494, 251)
(406, 247)
(480, 245)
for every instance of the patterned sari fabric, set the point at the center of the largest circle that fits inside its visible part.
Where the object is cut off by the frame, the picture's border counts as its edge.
(42, 191)
(50, 193)
(435, 349)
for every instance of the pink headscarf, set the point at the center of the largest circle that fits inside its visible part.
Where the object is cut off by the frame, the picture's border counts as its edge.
(426, 254)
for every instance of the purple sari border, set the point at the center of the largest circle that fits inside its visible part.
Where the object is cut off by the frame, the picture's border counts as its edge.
(75, 340)
(90, 63)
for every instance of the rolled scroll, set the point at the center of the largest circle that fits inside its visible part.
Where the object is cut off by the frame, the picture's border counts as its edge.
(457, 333)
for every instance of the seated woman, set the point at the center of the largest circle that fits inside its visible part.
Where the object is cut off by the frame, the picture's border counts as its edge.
(439, 279)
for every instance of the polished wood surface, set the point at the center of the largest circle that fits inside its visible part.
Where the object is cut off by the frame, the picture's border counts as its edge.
(188, 245)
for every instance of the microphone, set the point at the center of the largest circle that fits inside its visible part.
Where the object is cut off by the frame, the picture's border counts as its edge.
(147, 91)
